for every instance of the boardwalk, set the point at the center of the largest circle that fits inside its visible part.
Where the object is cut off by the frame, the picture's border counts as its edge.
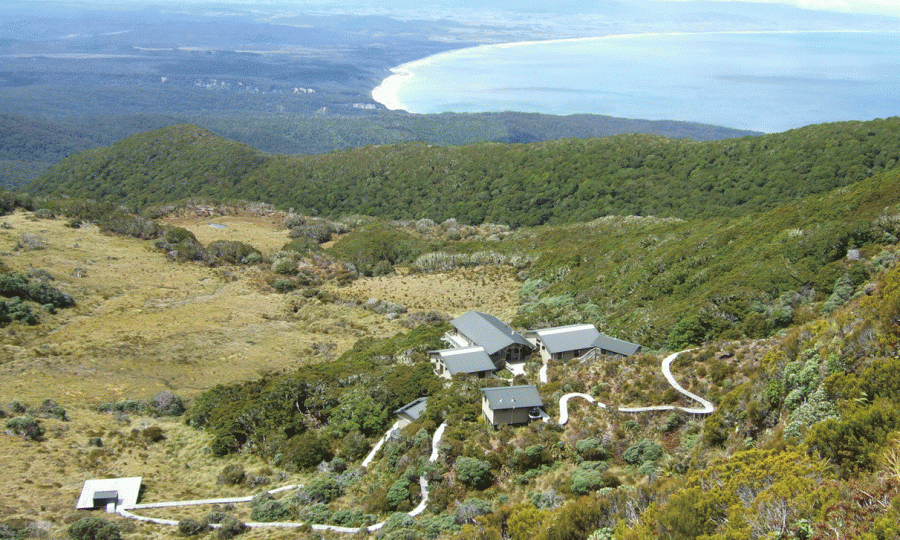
(707, 407)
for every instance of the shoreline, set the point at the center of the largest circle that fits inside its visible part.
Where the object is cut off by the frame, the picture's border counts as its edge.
(387, 93)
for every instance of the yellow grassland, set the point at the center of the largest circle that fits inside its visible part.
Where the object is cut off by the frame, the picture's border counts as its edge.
(144, 324)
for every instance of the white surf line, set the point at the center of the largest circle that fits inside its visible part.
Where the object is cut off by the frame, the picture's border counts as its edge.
(707, 408)
(423, 483)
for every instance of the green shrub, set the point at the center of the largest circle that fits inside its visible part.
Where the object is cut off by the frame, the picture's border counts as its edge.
(591, 449)
(128, 224)
(165, 403)
(585, 481)
(153, 434)
(94, 528)
(51, 409)
(644, 451)
(307, 450)
(230, 251)
(314, 513)
(232, 475)
(473, 472)
(271, 510)
(398, 492)
(192, 527)
(27, 427)
(229, 527)
(323, 489)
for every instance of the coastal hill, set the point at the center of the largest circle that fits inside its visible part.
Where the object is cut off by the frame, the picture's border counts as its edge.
(29, 146)
(549, 182)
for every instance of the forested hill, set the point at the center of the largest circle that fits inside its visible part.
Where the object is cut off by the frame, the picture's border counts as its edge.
(516, 184)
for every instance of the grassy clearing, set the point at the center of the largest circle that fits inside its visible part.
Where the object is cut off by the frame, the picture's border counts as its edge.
(144, 324)
(489, 289)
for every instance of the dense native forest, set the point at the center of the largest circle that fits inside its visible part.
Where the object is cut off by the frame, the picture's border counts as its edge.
(775, 256)
(515, 184)
(29, 146)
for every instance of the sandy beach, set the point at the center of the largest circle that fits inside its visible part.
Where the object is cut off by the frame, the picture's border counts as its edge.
(386, 92)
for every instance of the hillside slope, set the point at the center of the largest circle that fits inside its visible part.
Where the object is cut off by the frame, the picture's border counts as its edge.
(551, 182)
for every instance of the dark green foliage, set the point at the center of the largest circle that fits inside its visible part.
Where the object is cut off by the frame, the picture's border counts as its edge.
(192, 527)
(397, 493)
(560, 181)
(231, 252)
(229, 527)
(376, 248)
(591, 449)
(644, 451)
(153, 434)
(128, 224)
(232, 475)
(10, 532)
(306, 450)
(841, 292)
(688, 332)
(165, 403)
(15, 310)
(322, 489)
(272, 510)
(314, 513)
(51, 409)
(15, 285)
(473, 472)
(352, 393)
(27, 427)
(94, 528)
(585, 481)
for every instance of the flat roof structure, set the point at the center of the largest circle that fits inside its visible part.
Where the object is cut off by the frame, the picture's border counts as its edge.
(468, 360)
(124, 490)
(574, 337)
(487, 331)
(512, 397)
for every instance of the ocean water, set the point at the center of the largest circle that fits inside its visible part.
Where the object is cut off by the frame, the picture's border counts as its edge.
(767, 82)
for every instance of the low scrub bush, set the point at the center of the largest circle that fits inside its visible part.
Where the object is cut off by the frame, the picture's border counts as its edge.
(27, 427)
(192, 527)
(94, 528)
(231, 475)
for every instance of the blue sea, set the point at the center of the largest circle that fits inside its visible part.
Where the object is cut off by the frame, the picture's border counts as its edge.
(767, 82)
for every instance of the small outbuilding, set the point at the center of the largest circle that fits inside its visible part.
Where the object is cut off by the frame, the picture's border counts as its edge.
(411, 412)
(109, 493)
(469, 361)
(511, 404)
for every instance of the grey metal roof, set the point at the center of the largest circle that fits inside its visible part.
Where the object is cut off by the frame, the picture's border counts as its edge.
(487, 331)
(468, 360)
(573, 337)
(413, 409)
(617, 346)
(512, 397)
